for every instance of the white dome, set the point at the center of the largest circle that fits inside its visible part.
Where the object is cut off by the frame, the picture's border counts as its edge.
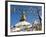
(23, 23)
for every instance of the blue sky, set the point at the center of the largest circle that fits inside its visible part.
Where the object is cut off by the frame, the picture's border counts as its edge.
(31, 11)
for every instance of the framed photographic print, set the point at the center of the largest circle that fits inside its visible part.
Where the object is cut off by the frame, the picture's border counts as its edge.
(24, 18)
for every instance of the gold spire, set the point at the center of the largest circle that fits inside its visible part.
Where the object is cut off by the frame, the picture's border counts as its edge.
(23, 17)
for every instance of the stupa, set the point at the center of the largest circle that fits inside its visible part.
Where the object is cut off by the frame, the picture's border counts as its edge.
(23, 25)
(23, 20)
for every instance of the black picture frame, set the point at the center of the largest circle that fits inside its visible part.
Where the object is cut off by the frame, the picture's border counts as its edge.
(6, 18)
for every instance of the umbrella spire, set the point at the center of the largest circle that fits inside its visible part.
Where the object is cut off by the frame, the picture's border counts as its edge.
(23, 17)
